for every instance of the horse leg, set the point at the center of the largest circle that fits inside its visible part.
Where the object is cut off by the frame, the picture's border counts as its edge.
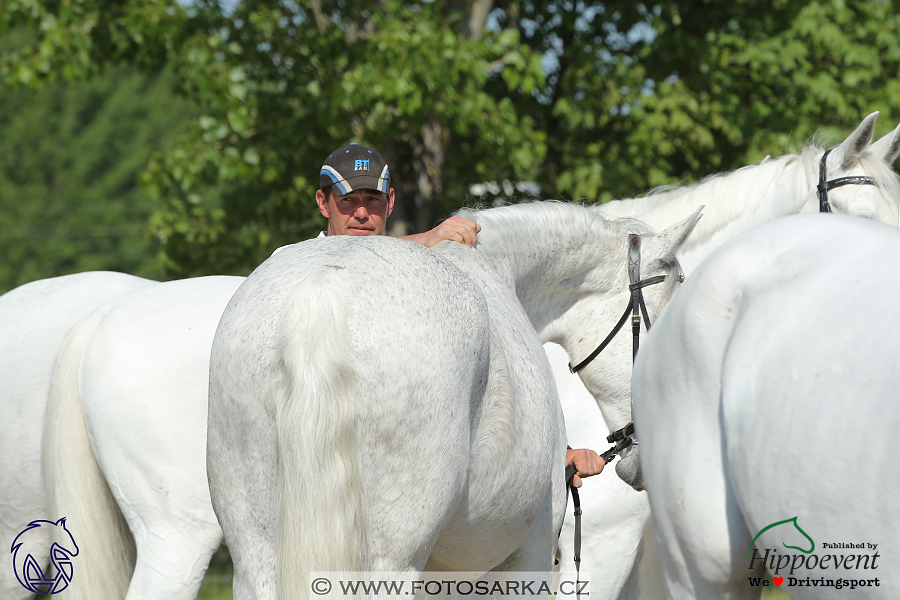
(242, 476)
(701, 533)
(612, 529)
(646, 581)
(181, 551)
(538, 551)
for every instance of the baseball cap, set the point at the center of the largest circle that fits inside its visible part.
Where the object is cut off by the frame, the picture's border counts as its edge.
(355, 167)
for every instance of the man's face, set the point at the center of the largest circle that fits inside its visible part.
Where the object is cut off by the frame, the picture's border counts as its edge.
(361, 212)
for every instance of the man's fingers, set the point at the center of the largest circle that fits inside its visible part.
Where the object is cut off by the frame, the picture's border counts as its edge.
(461, 230)
(587, 462)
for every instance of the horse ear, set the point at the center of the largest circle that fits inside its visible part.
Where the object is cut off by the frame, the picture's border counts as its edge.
(856, 142)
(888, 147)
(61, 522)
(664, 245)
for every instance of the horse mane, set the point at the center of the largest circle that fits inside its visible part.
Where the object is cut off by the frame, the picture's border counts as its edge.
(518, 227)
(727, 191)
(736, 195)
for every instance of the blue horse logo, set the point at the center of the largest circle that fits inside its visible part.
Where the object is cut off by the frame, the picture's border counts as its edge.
(28, 570)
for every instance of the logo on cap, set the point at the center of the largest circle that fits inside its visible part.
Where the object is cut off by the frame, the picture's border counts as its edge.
(361, 165)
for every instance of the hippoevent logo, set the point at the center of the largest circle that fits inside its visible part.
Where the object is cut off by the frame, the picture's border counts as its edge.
(28, 570)
(810, 562)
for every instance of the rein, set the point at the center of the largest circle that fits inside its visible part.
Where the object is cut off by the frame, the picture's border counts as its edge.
(622, 437)
(825, 185)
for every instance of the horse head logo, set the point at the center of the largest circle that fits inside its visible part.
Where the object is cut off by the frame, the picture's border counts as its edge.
(28, 570)
(812, 544)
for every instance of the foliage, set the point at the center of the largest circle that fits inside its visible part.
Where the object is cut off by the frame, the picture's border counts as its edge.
(766, 78)
(280, 90)
(78, 38)
(70, 156)
(593, 101)
(647, 95)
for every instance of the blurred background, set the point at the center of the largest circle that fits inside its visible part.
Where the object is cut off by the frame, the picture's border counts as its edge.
(170, 138)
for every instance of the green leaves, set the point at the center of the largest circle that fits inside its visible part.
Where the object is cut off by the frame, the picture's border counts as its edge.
(591, 101)
(77, 38)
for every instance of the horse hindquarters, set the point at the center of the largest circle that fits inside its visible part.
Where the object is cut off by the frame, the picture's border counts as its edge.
(75, 485)
(676, 391)
(35, 319)
(368, 417)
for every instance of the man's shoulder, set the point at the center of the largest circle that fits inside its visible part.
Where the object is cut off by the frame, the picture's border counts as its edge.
(277, 250)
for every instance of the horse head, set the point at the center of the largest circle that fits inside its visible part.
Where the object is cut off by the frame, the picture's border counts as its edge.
(857, 161)
(63, 538)
(657, 261)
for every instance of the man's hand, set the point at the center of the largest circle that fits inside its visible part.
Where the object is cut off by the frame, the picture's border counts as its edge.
(587, 463)
(455, 229)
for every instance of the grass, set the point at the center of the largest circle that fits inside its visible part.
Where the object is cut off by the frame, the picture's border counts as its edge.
(217, 582)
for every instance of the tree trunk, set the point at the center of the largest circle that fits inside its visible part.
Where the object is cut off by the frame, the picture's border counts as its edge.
(430, 156)
(430, 151)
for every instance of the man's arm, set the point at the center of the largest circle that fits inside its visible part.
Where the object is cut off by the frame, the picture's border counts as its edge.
(455, 229)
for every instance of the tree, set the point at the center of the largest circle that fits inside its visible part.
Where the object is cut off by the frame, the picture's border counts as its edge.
(640, 95)
(283, 84)
(592, 101)
(70, 157)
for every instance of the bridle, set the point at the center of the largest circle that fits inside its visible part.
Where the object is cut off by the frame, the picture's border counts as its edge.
(825, 185)
(622, 437)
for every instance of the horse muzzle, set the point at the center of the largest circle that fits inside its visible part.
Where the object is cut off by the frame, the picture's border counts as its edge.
(629, 467)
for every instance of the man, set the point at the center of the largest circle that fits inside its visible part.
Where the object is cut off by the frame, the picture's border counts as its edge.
(356, 197)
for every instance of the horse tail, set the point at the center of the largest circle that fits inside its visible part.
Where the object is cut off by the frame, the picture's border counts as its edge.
(321, 521)
(76, 487)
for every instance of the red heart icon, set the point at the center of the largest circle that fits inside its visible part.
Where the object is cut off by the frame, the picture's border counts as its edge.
(778, 580)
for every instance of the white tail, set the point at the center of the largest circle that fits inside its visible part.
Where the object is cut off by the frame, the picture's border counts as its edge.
(75, 485)
(321, 519)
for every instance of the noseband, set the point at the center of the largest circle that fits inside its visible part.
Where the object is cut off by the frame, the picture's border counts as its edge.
(825, 185)
(622, 437)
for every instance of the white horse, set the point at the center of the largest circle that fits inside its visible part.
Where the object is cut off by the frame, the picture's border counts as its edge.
(767, 394)
(376, 406)
(615, 517)
(34, 319)
(130, 387)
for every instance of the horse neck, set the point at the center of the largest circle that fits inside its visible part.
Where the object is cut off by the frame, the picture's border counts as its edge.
(734, 202)
(551, 252)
